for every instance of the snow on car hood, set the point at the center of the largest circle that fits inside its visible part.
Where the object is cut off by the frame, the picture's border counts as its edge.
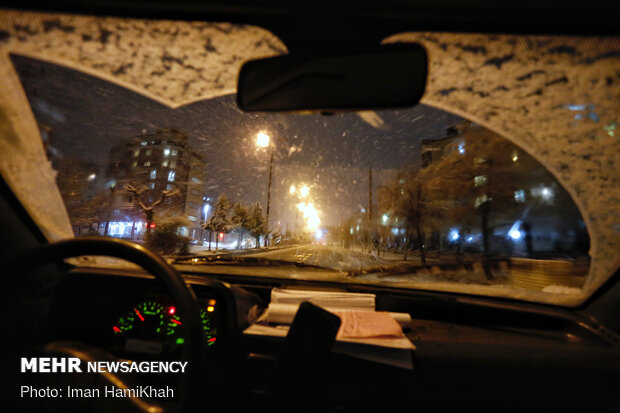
(556, 97)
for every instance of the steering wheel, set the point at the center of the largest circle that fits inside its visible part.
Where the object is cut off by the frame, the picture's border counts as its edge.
(183, 297)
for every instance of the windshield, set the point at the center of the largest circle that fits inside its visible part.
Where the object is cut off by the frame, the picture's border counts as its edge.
(151, 147)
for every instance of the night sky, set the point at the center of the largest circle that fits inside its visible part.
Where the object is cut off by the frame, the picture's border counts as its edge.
(87, 116)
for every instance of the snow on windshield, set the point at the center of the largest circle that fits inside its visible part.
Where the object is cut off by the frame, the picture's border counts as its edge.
(139, 124)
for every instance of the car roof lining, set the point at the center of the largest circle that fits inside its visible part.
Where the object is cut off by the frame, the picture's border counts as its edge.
(289, 19)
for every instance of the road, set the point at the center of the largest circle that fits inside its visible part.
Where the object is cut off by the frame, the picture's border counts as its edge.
(325, 256)
(391, 268)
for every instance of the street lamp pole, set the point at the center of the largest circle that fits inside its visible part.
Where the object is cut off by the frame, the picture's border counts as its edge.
(205, 210)
(263, 141)
(269, 190)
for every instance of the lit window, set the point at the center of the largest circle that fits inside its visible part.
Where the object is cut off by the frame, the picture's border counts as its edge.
(148, 152)
(461, 148)
(134, 164)
(164, 163)
(192, 218)
(478, 161)
(147, 163)
(520, 195)
(171, 176)
(480, 180)
(169, 187)
(167, 152)
(196, 180)
(173, 164)
(154, 174)
(143, 143)
(152, 185)
(174, 152)
(136, 152)
(515, 156)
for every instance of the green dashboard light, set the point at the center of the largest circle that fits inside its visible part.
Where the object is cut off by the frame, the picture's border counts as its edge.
(180, 341)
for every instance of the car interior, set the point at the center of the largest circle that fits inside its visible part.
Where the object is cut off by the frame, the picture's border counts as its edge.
(470, 352)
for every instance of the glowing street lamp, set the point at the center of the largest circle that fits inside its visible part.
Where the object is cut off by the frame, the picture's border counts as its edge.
(304, 190)
(310, 214)
(262, 140)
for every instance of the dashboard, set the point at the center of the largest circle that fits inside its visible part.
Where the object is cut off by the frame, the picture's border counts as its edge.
(518, 354)
(134, 317)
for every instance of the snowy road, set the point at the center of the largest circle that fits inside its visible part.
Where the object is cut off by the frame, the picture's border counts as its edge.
(392, 269)
(325, 256)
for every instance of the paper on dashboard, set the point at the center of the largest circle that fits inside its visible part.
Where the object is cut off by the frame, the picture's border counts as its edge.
(285, 313)
(324, 298)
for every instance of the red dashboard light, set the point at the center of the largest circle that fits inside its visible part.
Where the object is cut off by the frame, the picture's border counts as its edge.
(172, 310)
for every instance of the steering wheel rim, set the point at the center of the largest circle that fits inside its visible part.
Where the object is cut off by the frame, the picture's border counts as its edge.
(183, 296)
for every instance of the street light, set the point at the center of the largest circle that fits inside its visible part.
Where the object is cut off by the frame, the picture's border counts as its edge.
(205, 210)
(304, 190)
(310, 214)
(262, 142)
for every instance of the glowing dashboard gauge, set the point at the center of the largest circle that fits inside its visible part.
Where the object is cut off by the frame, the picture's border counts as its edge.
(145, 320)
(208, 328)
(209, 331)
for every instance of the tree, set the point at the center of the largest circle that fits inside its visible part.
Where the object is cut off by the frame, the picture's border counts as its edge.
(477, 183)
(239, 220)
(166, 239)
(403, 199)
(257, 222)
(219, 221)
(149, 210)
(78, 185)
(88, 212)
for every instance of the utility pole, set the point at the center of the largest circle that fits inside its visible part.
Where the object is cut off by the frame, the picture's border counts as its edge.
(269, 194)
(370, 209)
(370, 194)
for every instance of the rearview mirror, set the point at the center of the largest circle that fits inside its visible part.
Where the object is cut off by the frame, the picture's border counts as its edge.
(387, 77)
